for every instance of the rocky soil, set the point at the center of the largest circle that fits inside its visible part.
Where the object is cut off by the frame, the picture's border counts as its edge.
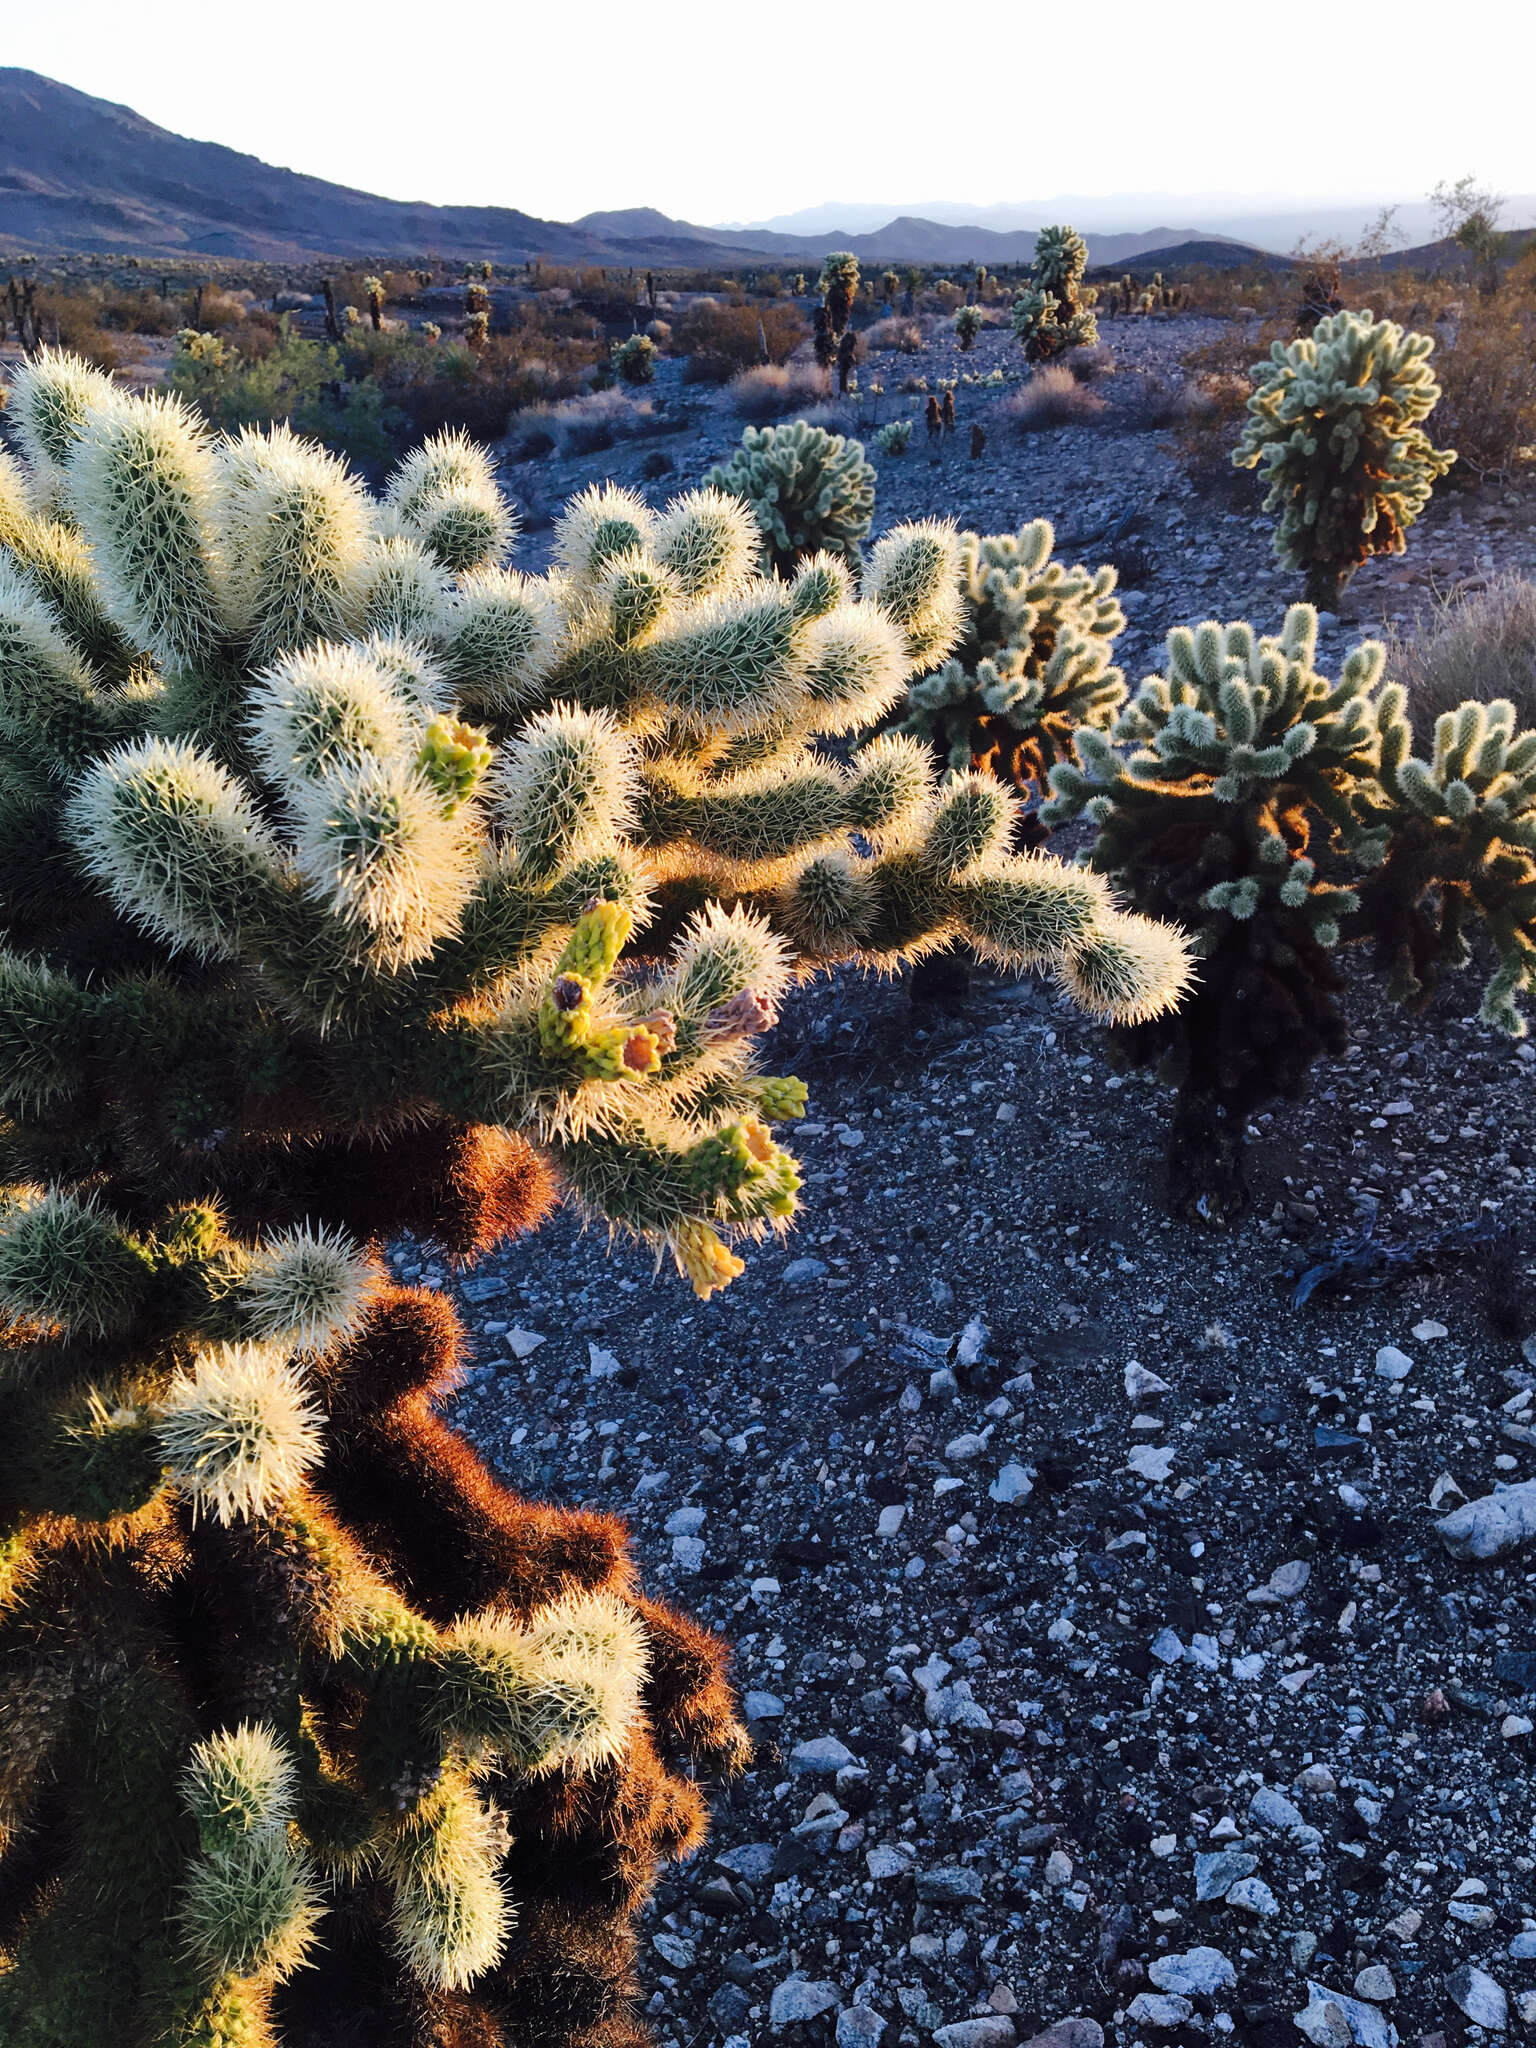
(1112, 1628)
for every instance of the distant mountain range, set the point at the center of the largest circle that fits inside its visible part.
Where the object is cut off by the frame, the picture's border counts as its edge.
(78, 173)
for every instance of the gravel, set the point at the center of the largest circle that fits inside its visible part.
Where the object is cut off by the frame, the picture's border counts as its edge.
(1207, 1608)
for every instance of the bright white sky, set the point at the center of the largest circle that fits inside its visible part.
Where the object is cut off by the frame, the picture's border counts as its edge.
(713, 110)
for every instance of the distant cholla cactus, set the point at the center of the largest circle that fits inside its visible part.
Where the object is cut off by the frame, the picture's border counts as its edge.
(807, 489)
(839, 287)
(634, 359)
(967, 326)
(894, 438)
(373, 288)
(1337, 425)
(1248, 766)
(477, 330)
(1032, 666)
(1055, 315)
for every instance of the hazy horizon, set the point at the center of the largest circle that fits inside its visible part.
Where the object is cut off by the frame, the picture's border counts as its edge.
(309, 95)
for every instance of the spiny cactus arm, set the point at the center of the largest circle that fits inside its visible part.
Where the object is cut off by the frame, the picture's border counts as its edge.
(728, 663)
(403, 591)
(293, 529)
(498, 638)
(54, 560)
(913, 576)
(54, 709)
(709, 544)
(50, 400)
(597, 526)
(143, 487)
(444, 496)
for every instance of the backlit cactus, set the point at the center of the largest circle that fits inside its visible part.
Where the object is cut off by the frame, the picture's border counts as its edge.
(1055, 313)
(807, 490)
(1248, 766)
(1032, 664)
(1337, 426)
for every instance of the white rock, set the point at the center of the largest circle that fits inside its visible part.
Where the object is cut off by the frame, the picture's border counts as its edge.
(685, 1521)
(1513, 1726)
(688, 1553)
(1481, 1997)
(1496, 1523)
(961, 1449)
(762, 1706)
(884, 1862)
(994, 2030)
(1251, 1666)
(891, 1519)
(1271, 1809)
(673, 1949)
(859, 2026)
(1166, 1647)
(1058, 1869)
(764, 1590)
(1376, 1983)
(1252, 1895)
(822, 1758)
(1392, 1364)
(973, 1342)
(1330, 2020)
(1141, 1384)
(1012, 1484)
(1290, 1578)
(798, 1999)
(601, 1364)
(1159, 2009)
(1203, 1970)
(1429, 1330)
(1153, 1462)
(523, 1343)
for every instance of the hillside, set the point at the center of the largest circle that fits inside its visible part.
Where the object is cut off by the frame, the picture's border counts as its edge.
(78, 173)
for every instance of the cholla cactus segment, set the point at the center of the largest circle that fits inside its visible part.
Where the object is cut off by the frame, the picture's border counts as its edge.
(49, 401)
(1054, 314)
(808, 490)
(1032, 662)
(1337, 424)
(239, 1431)
(709, 542)
(499, 637)
(45, 1018)
(451, 1918)
(704, 1261)
(143, 486)
(65, 1264)
(404, 591)
(634, 359)
(565, 787)
(307, 1287)
(251, 1910)
(453, 756)
(240, 1782)
(912, 576)
(1128, 969)
(444, 495)
(293, 528)
(46, 686)
(855, 663)
(601, 524)
(325, 708)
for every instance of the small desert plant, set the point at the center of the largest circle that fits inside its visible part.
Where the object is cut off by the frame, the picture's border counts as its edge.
(1054, 314)
(968, 324)
(720, 341)
(1336, 420)
(1032, 665)
(1249, 766)
(634, 359)
(1052, 398)
(894, 437)
(773, 389)
(808, 490)
(1487, 376)
(899, 332)
(1474, 646)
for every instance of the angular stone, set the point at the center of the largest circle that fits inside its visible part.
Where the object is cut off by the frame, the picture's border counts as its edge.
(1216, 1874)
(1073, 2033)
(762, 1706)
(951, 1885)
(1253, 1895)
(1012, 1484)
(1330, 2020)
(800, 1998)
(822, 1758)
(1202, 1971)
(992, 2030)
(674, 1950)
(860, 2026)
(751, 1860)
(1497, 1522)
(1159, 2009)
(1481, 1997)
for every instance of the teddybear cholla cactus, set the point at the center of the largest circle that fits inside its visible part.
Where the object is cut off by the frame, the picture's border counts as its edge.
(1055, 314)
(299, 1710)
(1032, 665)
(1249, 765)
(1337, 423)
(809, 491)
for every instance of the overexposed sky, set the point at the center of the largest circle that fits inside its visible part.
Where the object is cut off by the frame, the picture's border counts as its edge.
(716, 111)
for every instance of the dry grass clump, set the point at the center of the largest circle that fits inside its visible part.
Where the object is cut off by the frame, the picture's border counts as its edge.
(1472, 643)
(582, 426)
(1487, 373)
(770, 390)
(722, 340)
(1052, 398)
(899, 332)
(1088, 365)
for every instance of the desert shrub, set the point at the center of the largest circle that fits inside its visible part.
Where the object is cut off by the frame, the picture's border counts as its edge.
(71, 320)
(1091, 365)
(720, 341)
(583, 425)
(769, 390)
(1032, 665)
(1054, 314)
(1487, 377)
(1473, 646)
(899, 332)
(1276, 813)
(1052, 398)
(809, 491)
(1348, 473)
(634, 360)
(660, 332)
